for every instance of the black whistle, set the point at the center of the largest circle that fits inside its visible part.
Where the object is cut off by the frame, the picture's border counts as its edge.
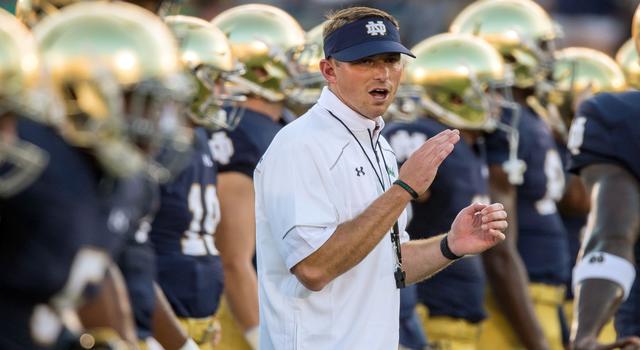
(400, 278)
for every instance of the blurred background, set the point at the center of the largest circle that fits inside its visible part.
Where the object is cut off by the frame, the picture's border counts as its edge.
(600, 24)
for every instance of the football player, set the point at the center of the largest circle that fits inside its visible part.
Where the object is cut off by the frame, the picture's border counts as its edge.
(577, 74)
(20, 162)
(260, 37)
(604, 141)
(523, 33)
(71, 235)
(188, 263)
(451, 303)
(29, 231)
(124, 87)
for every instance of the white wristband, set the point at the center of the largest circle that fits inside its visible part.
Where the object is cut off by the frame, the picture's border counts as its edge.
(190, 345)
(252, 337)
(605, 266)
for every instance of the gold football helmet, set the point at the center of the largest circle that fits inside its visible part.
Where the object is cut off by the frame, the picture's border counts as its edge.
(116, 67)
(627, 58)
(305, 85)
(635, 28)
(30, 12)
(205, 51)
(457, 72)
(21, 162)
(466, 85)
(261, 37)
(520, 29)
(578, 73)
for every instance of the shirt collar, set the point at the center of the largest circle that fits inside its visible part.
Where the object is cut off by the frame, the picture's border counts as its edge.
(354, 120)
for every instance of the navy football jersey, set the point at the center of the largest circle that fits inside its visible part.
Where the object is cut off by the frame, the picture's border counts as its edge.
(457, 291)
(49, 232)
(542, 238)
(138, 265)
(240, 149)
(606, 130)
(182, 233)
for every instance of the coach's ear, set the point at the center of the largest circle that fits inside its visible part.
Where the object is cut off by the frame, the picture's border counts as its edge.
(327, 68)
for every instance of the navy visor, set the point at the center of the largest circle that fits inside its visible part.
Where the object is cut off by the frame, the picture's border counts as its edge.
(362, 38)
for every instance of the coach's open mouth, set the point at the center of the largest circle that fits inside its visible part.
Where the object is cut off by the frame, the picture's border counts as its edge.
(379, 93)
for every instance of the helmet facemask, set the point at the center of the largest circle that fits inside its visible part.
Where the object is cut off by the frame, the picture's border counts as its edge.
(128, 129)
(215, 105)
(21, 91)
(21, 162)
(305, 82)
(122, 84)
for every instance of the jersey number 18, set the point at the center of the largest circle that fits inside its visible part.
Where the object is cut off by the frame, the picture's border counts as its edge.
(198, 239)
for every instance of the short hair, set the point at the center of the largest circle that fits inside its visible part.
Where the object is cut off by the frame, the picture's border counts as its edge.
(352, 14)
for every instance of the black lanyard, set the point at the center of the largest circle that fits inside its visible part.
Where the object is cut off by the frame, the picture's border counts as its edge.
(399, 274)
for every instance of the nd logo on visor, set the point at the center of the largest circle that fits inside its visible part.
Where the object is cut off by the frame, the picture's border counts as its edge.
(376, 28)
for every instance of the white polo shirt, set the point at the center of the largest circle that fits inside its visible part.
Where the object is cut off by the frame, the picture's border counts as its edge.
(313, 177)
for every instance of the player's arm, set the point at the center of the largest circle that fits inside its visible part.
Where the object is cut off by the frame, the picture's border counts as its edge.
(575, 200)
(166, 327)
(111, 308)
(615, 201)
(235, 239)
(506, 272)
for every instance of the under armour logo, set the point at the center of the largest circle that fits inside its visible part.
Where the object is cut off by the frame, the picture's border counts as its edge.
(360, 171)
(597, 258)
(377, 28)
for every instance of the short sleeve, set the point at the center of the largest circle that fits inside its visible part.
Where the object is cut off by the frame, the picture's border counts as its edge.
(293, 196)
(234, 151)
(589, 138)
(302, 241)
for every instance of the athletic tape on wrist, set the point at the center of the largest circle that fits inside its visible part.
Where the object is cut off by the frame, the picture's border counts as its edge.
(190, 345)
(605, 266)
(252, 337)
